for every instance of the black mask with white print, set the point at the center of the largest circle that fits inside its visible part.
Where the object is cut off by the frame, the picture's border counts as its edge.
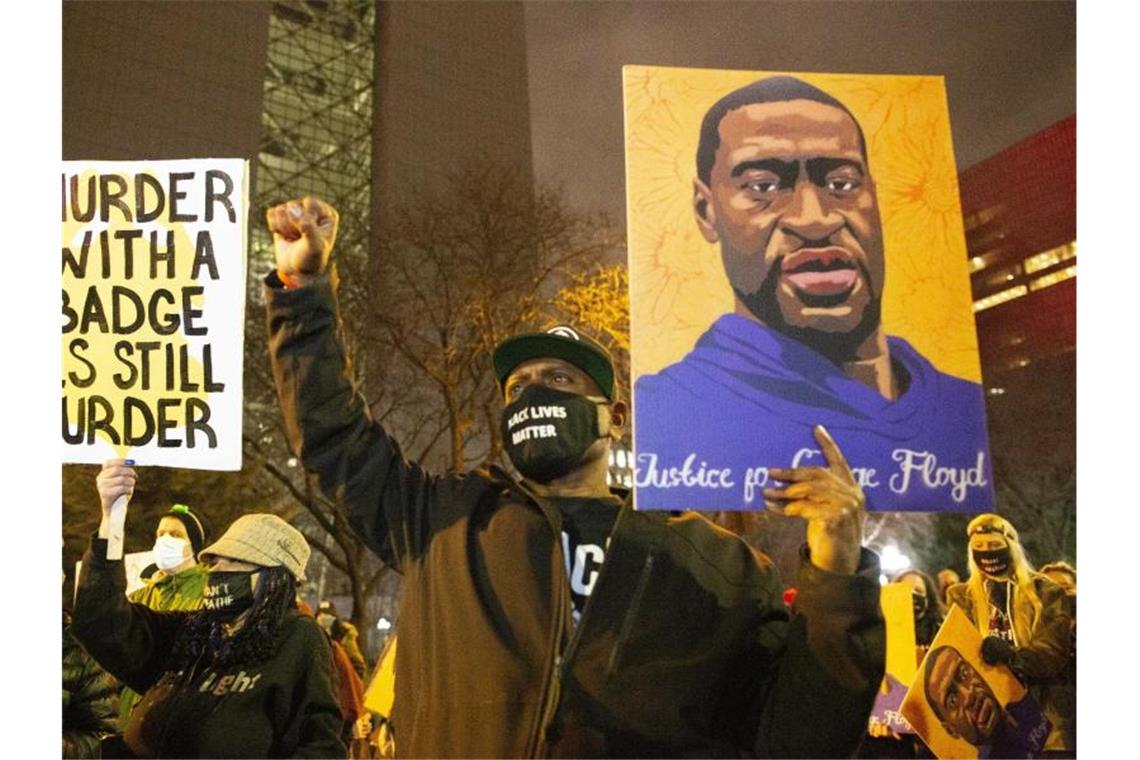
(918, 600)
(228, 593)
(546, 432)
(994, 563)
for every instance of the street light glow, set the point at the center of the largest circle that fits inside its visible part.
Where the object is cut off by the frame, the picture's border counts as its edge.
(892, 560)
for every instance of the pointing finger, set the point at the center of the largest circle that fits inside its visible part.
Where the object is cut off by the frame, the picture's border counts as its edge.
(836, 462)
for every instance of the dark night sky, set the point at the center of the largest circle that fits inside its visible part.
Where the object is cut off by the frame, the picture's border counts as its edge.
(1010, 67)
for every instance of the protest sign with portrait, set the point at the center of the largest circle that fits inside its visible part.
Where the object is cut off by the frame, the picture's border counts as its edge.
(964, 708)
(797, 257)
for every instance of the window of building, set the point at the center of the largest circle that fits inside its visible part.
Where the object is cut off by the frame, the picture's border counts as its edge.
(1002, 296)
(1053, 278)
(978, 218)
(1000, 277)
(1051, 257)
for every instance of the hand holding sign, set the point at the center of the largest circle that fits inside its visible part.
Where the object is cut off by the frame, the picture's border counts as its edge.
(303, 235)
(115, 483)
(117, 478)
(830, 500)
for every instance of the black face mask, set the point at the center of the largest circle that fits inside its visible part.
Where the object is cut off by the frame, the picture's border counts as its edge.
(919, 602)
(994, 563)
(228, 593)
(546, 432)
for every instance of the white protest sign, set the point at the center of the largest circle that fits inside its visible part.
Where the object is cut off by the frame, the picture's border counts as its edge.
(153, 269)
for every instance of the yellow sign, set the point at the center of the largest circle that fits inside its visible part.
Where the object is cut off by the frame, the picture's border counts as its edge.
(797, 258)
(964, 708)
(898, 613)
(380, 696)
(678, 284)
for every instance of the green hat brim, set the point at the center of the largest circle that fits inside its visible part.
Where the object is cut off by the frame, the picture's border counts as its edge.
(591, 359)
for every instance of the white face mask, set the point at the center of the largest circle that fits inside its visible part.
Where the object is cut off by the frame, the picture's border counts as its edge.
(170, 552)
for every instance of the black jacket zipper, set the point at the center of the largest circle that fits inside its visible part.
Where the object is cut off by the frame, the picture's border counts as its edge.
(631, 615)
(553, 696)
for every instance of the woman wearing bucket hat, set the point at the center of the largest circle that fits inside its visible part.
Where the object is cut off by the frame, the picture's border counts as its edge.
(245, 676)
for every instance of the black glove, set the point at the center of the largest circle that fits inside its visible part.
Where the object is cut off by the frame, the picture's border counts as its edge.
(997, 651)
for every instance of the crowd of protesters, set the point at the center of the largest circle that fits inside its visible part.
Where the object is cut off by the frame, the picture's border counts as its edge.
(1028, 620)
(497, 655)
(243, 675)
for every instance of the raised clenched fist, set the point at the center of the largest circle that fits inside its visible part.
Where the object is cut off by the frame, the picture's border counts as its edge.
(303, 235)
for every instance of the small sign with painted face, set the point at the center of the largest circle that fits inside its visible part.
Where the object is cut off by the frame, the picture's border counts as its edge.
(964, 708)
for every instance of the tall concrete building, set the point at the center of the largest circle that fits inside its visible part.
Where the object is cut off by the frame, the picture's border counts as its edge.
(451, 85)
(335, 98)
(162, 80)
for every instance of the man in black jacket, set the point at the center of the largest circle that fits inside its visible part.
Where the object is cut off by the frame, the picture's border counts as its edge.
(543, 616)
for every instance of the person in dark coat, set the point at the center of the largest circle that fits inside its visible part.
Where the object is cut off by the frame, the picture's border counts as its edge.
(89, 698)
(247, 675)
(542, 615)
(928, 609)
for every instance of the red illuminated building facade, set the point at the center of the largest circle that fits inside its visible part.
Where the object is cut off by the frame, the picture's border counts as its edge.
(1019, 208)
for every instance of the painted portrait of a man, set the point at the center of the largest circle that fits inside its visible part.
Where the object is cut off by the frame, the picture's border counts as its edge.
(967, 708)
(962, 707)
(784, 189)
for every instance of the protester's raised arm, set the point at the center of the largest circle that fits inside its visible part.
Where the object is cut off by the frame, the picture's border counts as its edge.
(327, 422)
(128, 640)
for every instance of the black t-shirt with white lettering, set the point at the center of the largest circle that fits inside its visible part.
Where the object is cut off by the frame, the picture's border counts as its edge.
(586, 526)
(1000, 617)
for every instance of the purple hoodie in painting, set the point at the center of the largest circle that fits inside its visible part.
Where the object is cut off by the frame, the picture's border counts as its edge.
(747, 397)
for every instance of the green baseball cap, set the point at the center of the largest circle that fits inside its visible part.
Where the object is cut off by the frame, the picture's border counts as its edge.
(561, 342)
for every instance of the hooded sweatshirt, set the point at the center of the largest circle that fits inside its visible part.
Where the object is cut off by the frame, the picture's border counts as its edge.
(746, 398)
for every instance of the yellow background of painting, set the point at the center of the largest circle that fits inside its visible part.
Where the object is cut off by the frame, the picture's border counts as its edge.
(956, 631)
(676, 279)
